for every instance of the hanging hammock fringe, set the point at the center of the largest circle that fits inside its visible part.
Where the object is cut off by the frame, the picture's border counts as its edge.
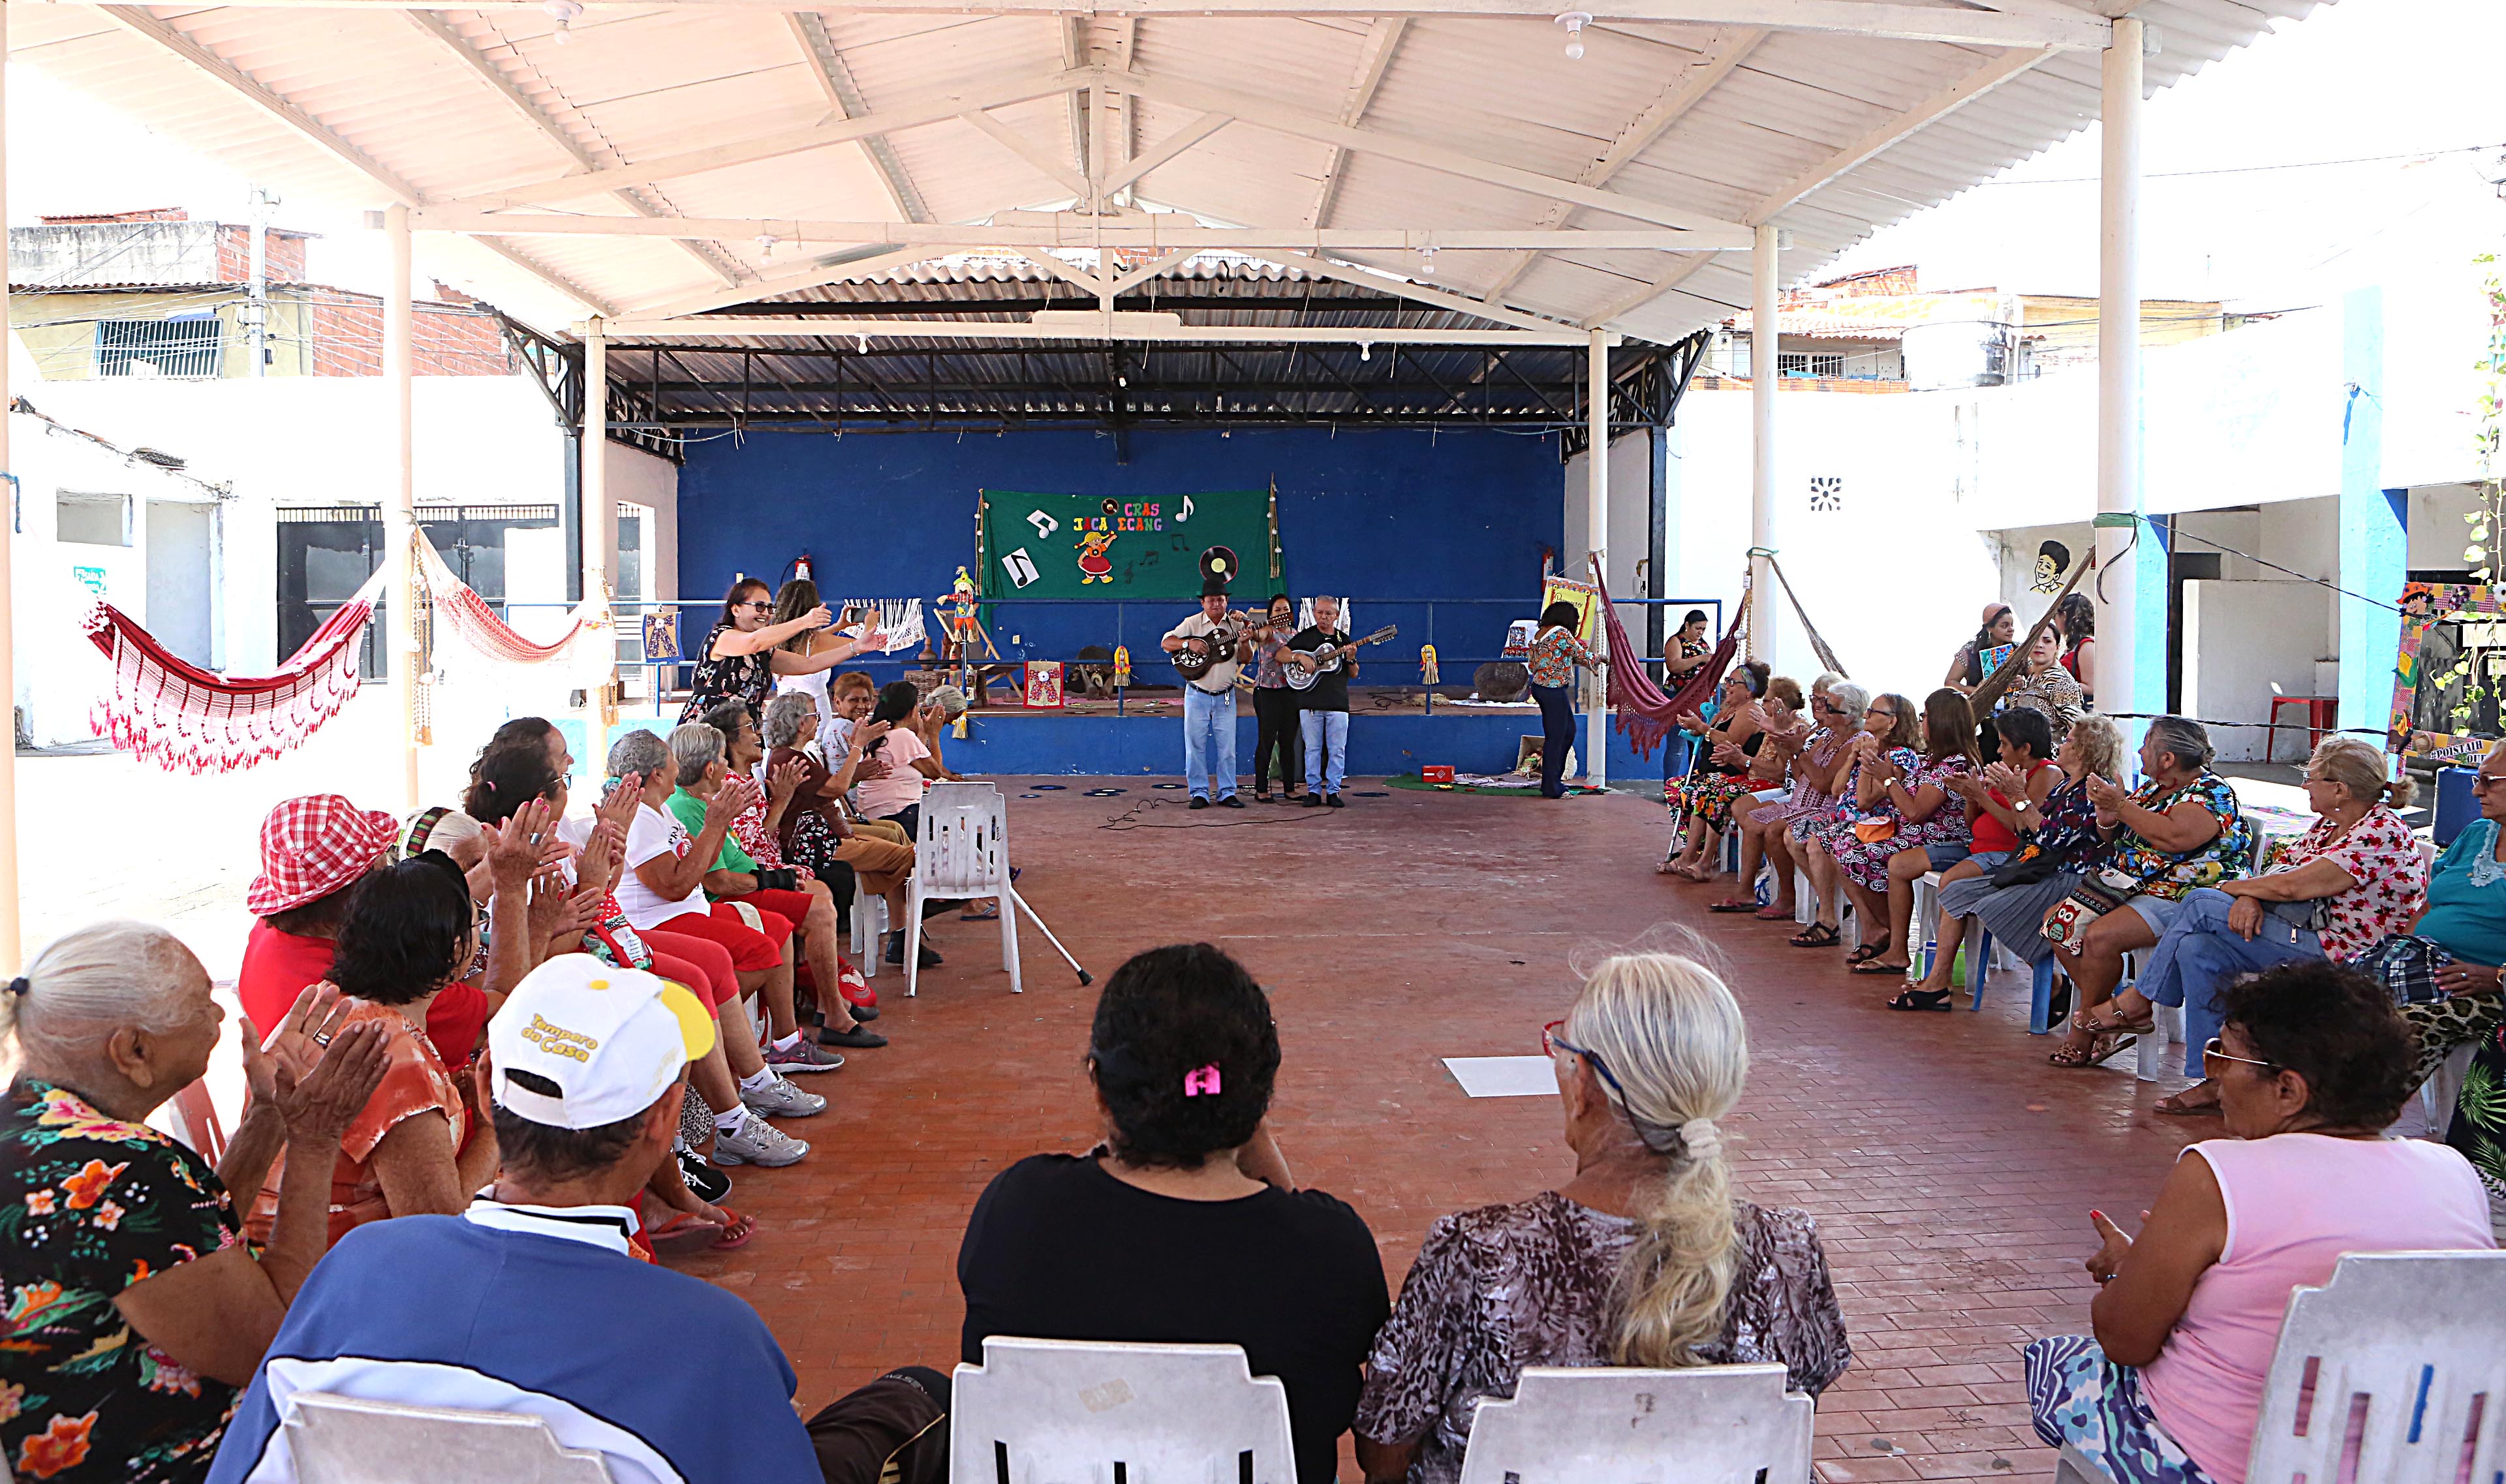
(468, 615)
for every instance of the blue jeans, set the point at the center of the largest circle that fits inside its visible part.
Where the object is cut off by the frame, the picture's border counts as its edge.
(1556, 735)
(1208, 741)
(1326, 730)
(2200, 953)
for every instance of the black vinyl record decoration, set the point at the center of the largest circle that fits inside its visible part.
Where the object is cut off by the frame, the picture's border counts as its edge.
(1218, 564)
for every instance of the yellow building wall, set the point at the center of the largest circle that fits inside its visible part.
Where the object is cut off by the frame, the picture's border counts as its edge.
(59, 330)
(2059, 323)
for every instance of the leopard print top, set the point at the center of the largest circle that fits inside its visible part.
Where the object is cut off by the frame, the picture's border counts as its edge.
(1505, 1287)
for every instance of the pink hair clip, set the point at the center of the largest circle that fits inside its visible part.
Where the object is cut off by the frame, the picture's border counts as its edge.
(1205, 1080)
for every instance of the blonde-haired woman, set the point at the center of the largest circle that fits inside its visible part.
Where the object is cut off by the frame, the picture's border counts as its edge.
(1644, 1258)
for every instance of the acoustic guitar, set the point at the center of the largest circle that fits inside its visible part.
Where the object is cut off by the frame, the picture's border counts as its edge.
(1302, 667)
(1200, 652)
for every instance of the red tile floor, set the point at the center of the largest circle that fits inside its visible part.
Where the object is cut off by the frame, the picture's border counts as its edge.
(1949, 1168)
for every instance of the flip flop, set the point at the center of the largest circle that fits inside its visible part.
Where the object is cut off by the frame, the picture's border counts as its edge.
(1864, 953)
(1771, 913)
(737, 1233)
(2103, 1047)
(981, 912)
(1735, 904)
(1815, 935)
(685, 1236)
(1873, 965)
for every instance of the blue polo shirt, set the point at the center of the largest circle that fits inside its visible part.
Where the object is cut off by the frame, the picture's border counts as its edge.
(536, 1310)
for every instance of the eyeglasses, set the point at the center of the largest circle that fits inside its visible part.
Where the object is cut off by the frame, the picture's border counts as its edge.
(1552, 1044)
(761, 605)
(2211, 1052)
(2488, 779)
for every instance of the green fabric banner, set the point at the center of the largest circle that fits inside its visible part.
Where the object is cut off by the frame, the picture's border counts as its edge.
(1091, 546)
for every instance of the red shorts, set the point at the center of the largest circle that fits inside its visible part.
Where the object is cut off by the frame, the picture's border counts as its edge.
(702, 966)
(792, 907)
(751, 948)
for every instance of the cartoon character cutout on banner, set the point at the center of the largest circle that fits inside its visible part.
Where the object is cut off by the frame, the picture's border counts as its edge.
(2053, 560)
(1094, 564)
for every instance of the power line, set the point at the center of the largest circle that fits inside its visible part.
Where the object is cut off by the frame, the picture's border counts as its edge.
(2257, 169)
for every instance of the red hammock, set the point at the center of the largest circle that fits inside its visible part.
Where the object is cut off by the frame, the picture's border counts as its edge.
(1645, 714)
(468, 615)
(178, 716)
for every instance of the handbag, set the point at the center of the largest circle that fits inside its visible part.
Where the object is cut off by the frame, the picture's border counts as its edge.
(776, 878)
(2066, 921)
(1875, 831)
(2313, 914)
(2025, 870)
(2406, 965)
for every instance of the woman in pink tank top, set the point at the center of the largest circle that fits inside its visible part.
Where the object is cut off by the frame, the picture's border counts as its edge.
(2311, 1063)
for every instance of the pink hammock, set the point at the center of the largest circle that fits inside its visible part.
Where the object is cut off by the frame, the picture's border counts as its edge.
(178, 716)
(468, 615)
(1645, 714)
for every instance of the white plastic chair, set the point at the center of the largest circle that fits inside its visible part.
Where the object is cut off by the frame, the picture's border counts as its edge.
(349, 1440)
(1049, 1411)
(2392, 1373)
(963, 853)
(870, 925)
(1704, 1425)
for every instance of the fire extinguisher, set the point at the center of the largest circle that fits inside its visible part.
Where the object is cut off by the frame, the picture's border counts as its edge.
(798, 569)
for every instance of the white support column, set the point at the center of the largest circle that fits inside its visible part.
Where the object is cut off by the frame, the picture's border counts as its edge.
(1766, 341)
(2118, 366)
(597, 522)
(1597, 532)
(11, 947)
(399, 367)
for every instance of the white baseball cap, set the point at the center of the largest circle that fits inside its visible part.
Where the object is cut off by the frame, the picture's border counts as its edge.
(610, 1039)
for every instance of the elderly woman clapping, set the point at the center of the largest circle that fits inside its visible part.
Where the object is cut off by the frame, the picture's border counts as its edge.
(2347, 883)
(2179, 831)
(137, 1307)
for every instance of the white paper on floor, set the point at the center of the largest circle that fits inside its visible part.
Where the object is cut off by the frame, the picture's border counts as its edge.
(1503, 1076)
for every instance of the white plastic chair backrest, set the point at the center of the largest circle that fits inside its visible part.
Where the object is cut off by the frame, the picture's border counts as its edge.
(1072, 1412)
(2392, 1373)
(963, 850)
(348, 1440)
(1701, 1425)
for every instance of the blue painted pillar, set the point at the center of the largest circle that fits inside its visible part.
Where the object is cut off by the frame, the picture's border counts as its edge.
(2150, 590)
(2374, 555)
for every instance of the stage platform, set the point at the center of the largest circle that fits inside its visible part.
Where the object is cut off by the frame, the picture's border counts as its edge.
(1147, 738)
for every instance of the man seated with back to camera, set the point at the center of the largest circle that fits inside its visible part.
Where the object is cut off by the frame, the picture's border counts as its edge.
(529, 1302)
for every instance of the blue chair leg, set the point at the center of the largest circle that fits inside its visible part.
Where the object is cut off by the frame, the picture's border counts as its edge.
(1979, 965)
(2040, 1003)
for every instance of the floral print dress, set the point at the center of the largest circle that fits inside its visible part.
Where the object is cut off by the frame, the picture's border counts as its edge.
(91, 1205)
(2171, 875)
(744, 678)
(1866, 861)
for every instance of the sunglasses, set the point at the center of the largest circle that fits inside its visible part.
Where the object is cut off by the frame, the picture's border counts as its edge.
(1552, 1044)
(2212, 1050)
(761, 605)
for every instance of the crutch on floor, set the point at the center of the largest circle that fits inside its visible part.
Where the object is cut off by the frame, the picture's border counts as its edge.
(1085, 977)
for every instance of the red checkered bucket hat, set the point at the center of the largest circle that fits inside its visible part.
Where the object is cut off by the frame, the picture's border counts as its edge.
(313, 845)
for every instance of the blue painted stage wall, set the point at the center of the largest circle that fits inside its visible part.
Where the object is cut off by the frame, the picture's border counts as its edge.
(1380, 513)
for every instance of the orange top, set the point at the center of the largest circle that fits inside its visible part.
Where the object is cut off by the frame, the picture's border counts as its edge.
(415, 1081)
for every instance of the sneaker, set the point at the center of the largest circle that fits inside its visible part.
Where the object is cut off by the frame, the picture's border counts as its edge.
(759, 1143)
(1313, 801)
(1231, 802)
(859, 1038)
(779, 1099)
(705, 1182)
(803, 1057)
(1333, 800)
(1197, 802)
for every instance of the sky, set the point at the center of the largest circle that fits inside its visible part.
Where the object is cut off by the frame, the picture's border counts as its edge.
(2261, 220)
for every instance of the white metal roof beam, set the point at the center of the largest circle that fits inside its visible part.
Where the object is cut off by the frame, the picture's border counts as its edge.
(1725, 51)
(831, 268)
(1166, 230)
(1034, 155)
(1668, 283)
(836, 76)
(139, 23)
(1374, 59)
(902, 114)
(434, 24)
(1086, 326)
(1167, 149)
(1711, 233)
(1881, 19)
(1389, 283)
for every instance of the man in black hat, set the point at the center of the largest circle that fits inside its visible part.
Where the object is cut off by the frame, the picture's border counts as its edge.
(1209, 698)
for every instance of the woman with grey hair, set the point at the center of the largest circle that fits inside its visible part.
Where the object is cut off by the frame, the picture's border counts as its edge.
(815, 831)
(140, 1307)
(2058, 846)
(2179, 831)
(1647, 1257)
(662, 884)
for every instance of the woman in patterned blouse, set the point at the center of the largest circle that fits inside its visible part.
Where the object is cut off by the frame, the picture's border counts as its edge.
(1554, 654)
(136, 1308)
(744, 650)
(2360, 862)
(1644, 1258)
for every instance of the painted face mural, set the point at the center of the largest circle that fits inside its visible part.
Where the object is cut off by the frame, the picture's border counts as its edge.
(2053, 560)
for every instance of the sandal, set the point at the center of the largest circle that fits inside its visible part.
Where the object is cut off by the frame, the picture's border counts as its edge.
(2087, 1019)
(1815, 935)
(1669, 867)
(1913, 998)
(1873, 965)
(1775, 912)
(1736, 904)
(2184, 1105)
(1864, 953)
(2101, 1047)
(981, 912)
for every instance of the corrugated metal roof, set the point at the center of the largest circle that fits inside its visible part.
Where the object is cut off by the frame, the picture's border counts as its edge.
(632, 83)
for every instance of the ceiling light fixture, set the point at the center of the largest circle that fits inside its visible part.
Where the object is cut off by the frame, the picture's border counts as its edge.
(1365, 350)
(1574, 22)
(564, 14)
(862, 345)
(1427, 259)
(766, 247)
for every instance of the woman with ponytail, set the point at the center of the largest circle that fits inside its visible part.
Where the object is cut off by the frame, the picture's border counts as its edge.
(1644, 1258)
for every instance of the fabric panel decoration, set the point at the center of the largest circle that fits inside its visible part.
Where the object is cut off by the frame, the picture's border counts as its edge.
(1091, 546)
(179, 716)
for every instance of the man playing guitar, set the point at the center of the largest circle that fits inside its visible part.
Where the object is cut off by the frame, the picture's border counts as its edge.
(1208, 647)
(1322, 648)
